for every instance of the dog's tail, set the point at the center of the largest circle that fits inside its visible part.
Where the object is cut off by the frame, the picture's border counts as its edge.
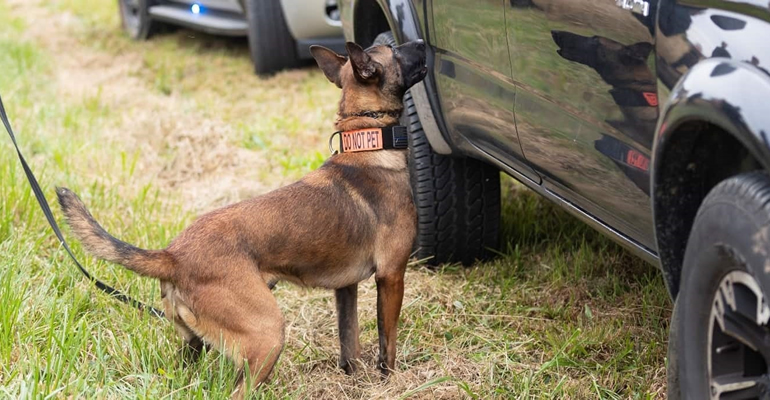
(153, 263)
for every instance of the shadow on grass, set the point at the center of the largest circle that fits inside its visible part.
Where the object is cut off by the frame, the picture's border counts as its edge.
(533, 228)
(574, 314)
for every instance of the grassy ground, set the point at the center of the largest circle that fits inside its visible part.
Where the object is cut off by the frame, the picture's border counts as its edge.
(152, 134)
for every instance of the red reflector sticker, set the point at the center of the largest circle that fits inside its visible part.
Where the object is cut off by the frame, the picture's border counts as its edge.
(638, 160)
(651, 98)
(361, 140)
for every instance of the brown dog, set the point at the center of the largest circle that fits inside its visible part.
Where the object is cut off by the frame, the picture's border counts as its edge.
(351, 218)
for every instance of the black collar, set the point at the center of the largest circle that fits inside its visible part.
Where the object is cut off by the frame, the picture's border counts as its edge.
(370, 139)
(373, 114)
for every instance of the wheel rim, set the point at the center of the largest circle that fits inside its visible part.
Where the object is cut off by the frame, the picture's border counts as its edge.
(739, 340)
(131, 10)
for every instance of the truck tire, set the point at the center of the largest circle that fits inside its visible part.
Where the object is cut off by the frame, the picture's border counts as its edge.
(135, 19)
(457, 199)
(721, 328)
(271, 45)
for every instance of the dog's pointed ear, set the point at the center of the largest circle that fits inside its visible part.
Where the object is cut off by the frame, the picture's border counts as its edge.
(329, 62)
(363, 66)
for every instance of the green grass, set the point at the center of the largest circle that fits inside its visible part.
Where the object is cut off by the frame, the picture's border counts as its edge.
(563, 313)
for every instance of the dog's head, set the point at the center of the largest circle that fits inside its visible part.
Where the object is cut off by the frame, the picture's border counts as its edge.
(612, 60)
(374, 79)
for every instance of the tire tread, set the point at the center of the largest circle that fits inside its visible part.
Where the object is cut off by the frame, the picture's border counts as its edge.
(271, 44)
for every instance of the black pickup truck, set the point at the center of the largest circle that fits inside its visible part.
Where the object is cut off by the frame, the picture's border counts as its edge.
(649, 120)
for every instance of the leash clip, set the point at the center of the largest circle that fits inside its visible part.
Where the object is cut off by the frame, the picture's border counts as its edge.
(331, 145)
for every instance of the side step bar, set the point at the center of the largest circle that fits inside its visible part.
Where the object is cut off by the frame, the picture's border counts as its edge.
(209, 21)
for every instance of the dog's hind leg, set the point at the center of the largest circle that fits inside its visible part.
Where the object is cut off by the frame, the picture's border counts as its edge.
(260, 344)
(242, 319)
(194, 345)
(347, 322)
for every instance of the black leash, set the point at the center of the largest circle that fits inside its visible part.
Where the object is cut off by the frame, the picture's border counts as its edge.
(117, 294)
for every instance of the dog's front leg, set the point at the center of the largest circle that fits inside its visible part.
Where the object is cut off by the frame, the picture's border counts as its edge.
(390, 294)
(347, 322)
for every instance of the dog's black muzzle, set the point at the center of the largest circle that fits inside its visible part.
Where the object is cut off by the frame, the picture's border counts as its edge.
(411, 58)
(573, 47)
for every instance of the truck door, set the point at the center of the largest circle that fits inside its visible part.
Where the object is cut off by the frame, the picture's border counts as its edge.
(586, 103)
(473, 77)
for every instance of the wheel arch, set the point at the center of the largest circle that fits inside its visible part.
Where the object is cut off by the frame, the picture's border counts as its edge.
(374, 17)
(710, 129)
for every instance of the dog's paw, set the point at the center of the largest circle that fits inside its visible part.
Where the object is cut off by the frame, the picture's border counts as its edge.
(349, 366)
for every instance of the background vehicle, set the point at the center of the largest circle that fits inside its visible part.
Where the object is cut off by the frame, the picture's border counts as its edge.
(646, 119)
(279, 31)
